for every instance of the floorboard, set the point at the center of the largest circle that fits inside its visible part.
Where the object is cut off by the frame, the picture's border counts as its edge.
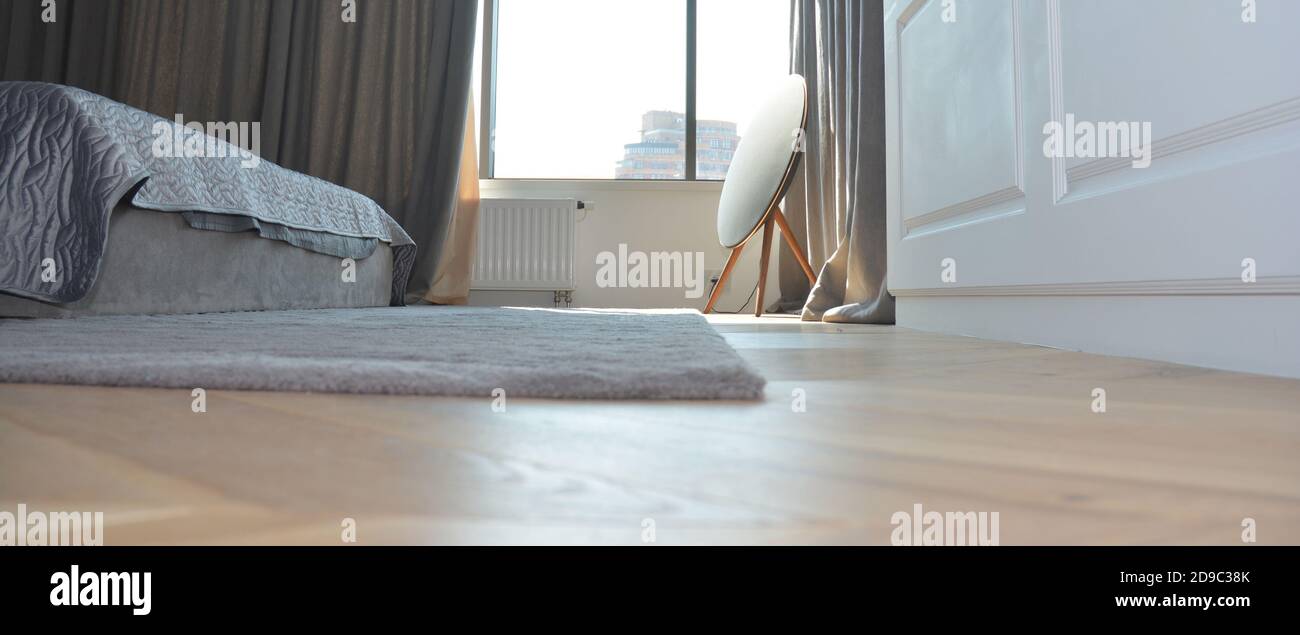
(893, 418)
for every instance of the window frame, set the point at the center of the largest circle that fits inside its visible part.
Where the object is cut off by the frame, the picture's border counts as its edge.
(487, 109)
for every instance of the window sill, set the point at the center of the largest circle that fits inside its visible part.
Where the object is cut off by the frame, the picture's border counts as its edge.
(564, 186)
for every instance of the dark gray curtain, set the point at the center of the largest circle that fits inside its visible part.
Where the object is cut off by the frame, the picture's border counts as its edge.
(377, 106)
(836, 204)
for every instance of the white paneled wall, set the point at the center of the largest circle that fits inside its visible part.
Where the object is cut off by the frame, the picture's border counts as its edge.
(1192, 256)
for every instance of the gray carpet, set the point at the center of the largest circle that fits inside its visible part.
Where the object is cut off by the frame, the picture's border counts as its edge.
(468, 351)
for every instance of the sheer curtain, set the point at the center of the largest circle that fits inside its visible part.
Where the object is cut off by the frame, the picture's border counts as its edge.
(836, 205)
(451, 282)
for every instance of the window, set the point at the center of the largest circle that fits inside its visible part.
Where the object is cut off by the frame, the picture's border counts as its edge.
(598, 89)
(741, 47)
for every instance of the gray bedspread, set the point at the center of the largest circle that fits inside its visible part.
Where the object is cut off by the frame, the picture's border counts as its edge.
(68, 156)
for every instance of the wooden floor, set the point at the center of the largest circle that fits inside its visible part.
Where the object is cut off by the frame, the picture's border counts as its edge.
(893, 418)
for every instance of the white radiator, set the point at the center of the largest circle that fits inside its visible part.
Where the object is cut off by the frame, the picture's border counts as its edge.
(525, 245)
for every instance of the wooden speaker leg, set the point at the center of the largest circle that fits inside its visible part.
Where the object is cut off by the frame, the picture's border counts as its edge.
(768, 229)
(794, 246)
(722, 279)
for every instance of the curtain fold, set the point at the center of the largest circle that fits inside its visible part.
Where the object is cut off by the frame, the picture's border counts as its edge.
(836, 204)
(377, 105)
(451, 284)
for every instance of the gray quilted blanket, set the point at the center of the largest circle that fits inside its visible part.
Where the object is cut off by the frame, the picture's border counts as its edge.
(68, 156)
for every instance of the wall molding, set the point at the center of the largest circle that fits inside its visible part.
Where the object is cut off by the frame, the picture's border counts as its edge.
(908, 13)
(1245, 123)
(1064, 178)
(1056, 93)
(980, 203)
(1274, 285)
(965, 207)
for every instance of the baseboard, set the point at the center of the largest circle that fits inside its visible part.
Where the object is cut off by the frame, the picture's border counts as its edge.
(1246, 333)
(1264, 285)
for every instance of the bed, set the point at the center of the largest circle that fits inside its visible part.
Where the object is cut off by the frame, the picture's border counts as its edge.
(156, 263)
(107, 209)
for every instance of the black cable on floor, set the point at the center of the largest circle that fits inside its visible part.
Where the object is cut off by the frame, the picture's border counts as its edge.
(742, 307)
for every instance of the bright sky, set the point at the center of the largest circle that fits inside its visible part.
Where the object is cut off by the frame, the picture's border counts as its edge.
(575, 76)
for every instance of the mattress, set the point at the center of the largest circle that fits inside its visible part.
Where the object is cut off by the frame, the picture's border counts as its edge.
(154, 262)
